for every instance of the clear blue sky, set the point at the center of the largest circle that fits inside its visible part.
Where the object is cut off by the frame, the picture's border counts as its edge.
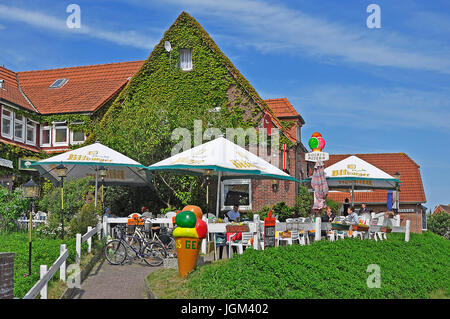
(366, 90)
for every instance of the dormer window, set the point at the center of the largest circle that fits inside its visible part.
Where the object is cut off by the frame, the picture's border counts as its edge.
(58, 83)
(186, 59)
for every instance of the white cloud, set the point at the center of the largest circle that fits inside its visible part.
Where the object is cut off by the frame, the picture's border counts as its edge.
(45, 21)
(273, 27)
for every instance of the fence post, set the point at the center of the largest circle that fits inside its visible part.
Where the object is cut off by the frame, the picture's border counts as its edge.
(99, 231)
(407, 227)
(105, 226)
(45, 288)
(89, 240)
(62, 269)
(78, 249)
(256, 234)
(318, 231)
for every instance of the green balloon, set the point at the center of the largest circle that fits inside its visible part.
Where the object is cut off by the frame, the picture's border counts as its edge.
(313, 142)
(186, 219)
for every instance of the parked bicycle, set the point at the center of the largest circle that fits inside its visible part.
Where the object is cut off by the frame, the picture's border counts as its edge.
(164, 237)
(117, 250)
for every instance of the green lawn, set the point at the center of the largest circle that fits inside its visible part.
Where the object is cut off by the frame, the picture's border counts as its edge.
(44, 252)
(418, 269)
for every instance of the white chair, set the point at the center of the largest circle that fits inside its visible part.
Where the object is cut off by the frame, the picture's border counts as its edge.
(303, 238)
(170, 215)
(330, 235)
(240, 244)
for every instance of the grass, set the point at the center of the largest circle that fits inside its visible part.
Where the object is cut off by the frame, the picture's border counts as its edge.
(418, 269)
(45, 251)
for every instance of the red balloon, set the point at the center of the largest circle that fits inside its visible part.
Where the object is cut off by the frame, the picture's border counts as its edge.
(201, 228)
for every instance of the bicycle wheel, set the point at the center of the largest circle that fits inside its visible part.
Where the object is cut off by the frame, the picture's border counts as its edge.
(115, 252)
(171, 248)
(153, 256)
(158, 246)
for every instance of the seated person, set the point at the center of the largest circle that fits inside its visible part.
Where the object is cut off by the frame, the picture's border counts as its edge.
(354, 218)
(329, 216)
(234, 215)
(221, 242)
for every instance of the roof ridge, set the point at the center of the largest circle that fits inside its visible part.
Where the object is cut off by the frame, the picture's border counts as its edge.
(82, 66)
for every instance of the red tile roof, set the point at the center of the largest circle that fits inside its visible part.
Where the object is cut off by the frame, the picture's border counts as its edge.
(442, 208)
(282, 108)
(411, 189)
(10, 91)
(87, 89)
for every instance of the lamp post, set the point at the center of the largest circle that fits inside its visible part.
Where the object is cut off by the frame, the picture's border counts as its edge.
(30, 191)
(103, 172)
(61, 171)
(397, 198)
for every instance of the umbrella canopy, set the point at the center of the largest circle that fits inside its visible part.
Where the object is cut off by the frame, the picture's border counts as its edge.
(224, 159)
(222, 155)
(355, 173)
(320, 186)
(85, 161)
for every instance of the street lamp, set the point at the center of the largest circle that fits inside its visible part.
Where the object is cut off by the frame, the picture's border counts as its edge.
(30, 191)
(397, 199)
(61, 171)
(103, 172)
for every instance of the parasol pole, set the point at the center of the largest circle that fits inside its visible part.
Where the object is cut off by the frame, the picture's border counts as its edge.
(219, 177)
(353, 195)
(96, 184)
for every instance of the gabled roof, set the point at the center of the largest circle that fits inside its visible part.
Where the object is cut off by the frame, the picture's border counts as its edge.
(11, 90)
(283, 108)
(87, 88)
(445, 208)
(411, 189)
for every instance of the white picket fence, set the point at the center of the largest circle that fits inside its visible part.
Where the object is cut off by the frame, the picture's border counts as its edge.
(41, 287)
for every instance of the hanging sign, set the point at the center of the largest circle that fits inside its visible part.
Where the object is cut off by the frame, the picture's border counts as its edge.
(25, 164)
(6, 163)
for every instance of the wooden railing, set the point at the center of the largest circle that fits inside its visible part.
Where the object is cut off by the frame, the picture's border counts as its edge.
(41, 287)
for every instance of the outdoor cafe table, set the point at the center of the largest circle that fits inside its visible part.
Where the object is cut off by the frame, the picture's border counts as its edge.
(107, 221)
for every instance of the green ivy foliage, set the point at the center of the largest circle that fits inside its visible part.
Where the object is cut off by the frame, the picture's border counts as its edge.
(161, 97)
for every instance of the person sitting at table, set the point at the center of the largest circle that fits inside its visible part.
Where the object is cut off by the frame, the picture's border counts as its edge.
(354, 218)
(109, 214)
(329, 216)
(234, 215)
(364, 209)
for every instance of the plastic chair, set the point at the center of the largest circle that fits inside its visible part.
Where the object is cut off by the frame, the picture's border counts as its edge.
(240, 244)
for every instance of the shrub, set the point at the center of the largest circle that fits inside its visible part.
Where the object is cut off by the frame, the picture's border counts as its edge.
(439, 223)
(88, 216)
(335, 206)
(280, 209)
(303, 202)
(12, 205)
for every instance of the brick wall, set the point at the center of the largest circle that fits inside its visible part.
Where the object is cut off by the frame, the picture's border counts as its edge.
(6, 275)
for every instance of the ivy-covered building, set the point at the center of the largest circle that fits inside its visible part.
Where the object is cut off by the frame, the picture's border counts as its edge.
(134, 106)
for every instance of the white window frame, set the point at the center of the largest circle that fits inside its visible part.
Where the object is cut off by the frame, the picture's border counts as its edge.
(44, 128)
(189, 65)
(32, 124)
(11, 123)
(236, 182)
(23, 122)
(76, 142)
(54, 128)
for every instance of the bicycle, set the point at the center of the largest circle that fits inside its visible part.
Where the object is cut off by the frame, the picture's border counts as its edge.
(116, 250)
(165, 239)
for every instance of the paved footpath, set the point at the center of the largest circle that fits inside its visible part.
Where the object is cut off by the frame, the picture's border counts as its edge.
(115, 281)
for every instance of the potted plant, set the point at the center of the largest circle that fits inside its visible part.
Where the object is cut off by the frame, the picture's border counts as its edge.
(360, 227)
(340, 226)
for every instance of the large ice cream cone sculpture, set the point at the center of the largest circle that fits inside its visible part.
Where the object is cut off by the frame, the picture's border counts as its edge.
(190, 231)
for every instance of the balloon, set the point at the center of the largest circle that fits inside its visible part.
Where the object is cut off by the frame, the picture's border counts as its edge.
(201, 228)
(195, 209)
(186, 219)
